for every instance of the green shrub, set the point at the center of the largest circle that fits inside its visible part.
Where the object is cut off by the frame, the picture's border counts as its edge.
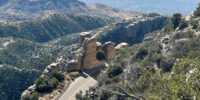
(100, 55)
(166, 65)
(176, 19)
(183, 24)
(168, 28)
(58, 75)
(104, 95)
(142, 53)
(45, 84)
(114, 70)
(194, 24)
(197, 12)
(80, 96)
(32, 96)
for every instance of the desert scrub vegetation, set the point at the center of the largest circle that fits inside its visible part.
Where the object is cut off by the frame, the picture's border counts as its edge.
(177, 84)
(32, 96)
(48, 83)
(188, 49)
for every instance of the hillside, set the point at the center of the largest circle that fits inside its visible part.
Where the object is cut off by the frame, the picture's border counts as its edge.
(164, 66)
(35, 8)
(23, 61)
(50, 26)
(145, 6)
(24, 57)
(131, 30)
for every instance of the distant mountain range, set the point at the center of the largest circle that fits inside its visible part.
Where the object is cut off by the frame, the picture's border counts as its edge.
(160, 6)
(26, 9)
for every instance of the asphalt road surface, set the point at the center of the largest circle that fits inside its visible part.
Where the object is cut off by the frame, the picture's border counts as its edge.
(82, 83)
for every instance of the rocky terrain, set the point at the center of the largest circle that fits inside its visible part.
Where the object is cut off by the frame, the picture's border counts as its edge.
(91, 48)
(147, 56)
(165, 65)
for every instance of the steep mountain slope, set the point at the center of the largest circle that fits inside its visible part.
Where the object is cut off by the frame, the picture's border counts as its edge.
(22, 62)
(160, 6)
(24, 57)
(50, 26)
(36, 8)
(131, 30)
(166, 65)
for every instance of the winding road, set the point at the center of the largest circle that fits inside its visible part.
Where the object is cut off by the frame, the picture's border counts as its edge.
(82, 83)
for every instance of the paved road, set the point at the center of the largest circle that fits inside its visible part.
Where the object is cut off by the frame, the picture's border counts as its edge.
(82, 83)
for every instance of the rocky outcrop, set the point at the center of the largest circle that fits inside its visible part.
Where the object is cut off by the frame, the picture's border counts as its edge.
(89, 56)
(86, 56)
(109, 50)
(121, 46)
(133, 30)
(51, 67)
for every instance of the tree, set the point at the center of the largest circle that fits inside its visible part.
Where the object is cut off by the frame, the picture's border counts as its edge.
(45, 84)
(114, 70)
(176, 19)
(197, 12)
(58, 75)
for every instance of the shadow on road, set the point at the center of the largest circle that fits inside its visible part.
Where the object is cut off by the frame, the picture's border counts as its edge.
(92, 72)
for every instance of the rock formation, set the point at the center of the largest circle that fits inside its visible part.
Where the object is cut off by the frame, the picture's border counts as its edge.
(86, 56)
(109, 49)
(89, 60)
(121, 46)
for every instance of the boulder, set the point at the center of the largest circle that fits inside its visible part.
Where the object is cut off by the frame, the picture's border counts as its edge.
(55, 66)
(109, 50)
(31, 88)
(99, 45)
(121, 46)
(74, 65)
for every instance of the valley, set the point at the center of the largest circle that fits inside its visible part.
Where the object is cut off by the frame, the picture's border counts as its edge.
(87, 50)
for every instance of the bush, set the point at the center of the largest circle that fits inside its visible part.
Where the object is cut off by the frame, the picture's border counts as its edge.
(79, 96)
(142, 53)
(169, 27)
(176, 19)
(45, 84)
(114, 70)
(194, 24)
(197, 12)
(100, 55)
(183, 24)
(104, 95)
(58, 75)
(166, 65)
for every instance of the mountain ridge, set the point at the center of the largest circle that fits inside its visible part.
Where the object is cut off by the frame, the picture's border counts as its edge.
(35, 8)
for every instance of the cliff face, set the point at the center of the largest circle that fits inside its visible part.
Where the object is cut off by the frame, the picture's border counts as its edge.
(132, 31)
(86, 56)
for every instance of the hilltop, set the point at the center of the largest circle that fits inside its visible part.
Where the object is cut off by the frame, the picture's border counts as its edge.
(29, 9)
